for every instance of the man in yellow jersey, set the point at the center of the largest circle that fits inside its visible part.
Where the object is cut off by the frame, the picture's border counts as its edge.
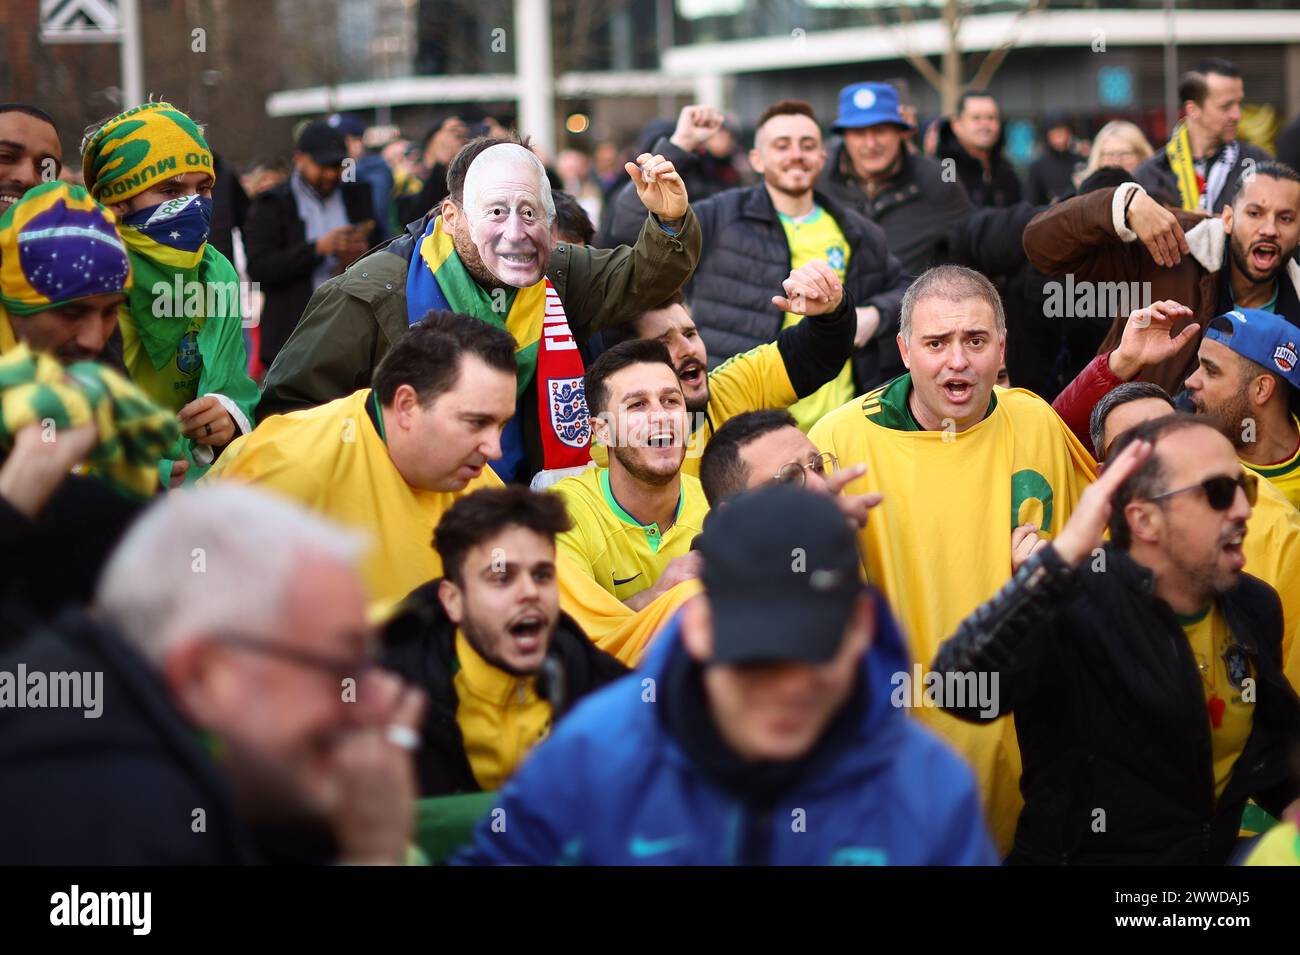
(804, 357)
(1247, 376)
(390, 460)
(488, 643)
(960, 466)
(754, 238)
(634, 521)
(1272, 545)
(1144, 676)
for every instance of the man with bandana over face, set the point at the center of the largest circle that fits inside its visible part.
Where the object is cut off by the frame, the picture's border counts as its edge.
(489, 252)
(182, 334)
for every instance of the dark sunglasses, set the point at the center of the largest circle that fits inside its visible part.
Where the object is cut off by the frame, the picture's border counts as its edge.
(1221, 491)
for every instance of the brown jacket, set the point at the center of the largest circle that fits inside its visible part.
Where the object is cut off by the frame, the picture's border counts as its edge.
(1081, 238)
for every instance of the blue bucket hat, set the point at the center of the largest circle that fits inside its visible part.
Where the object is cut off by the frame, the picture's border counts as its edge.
(867, 104)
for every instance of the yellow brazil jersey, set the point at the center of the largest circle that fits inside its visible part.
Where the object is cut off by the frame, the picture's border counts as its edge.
(817, 238)
(1225, 669)
(1272, 551)
(939, 545)
(619, 553)
(750, 381)
(500, 716)
(176, 383)
(334, 460)
(1285, 475)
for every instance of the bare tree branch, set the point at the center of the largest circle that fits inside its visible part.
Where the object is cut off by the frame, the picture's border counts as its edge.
(920, 63)
(993, 59)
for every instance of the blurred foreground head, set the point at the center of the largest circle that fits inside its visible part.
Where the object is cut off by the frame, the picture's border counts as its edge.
(784, 621)
(254, 614)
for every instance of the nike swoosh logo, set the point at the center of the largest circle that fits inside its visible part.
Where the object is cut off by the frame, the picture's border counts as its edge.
(645, 848)
(628, 580)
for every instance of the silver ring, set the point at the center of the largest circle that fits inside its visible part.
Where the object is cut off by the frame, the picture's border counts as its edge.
(403, 736)
(207, 430)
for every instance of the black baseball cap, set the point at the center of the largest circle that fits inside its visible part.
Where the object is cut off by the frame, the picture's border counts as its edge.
(323, 143)
(781, 570)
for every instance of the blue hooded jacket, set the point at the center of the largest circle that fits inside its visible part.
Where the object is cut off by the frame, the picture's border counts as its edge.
(611, 786)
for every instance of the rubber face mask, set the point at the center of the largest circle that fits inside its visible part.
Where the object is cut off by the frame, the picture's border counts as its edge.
(510, 213)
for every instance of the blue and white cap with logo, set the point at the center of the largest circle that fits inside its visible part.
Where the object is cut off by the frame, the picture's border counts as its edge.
(1263, 337)
(867, 104)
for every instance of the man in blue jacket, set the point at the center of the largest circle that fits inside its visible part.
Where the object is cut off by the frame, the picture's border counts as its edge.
(760, 730)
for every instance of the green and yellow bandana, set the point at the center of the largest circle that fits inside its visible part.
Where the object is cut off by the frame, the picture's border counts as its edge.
(134, 433)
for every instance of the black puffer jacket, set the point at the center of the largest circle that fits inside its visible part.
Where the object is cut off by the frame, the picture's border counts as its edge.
(117, 789)
(419, 643)
(1001, 188)
(1111, 714)
(746, 257)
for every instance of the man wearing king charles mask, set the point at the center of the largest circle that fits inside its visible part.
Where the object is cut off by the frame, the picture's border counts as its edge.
(489, 251)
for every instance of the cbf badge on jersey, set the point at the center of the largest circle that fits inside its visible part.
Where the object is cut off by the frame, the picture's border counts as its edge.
(1237, 664)
(188, 357)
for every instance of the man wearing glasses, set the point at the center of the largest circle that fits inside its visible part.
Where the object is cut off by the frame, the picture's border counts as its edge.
(767, 447)
(240, 718)
(1144, 675)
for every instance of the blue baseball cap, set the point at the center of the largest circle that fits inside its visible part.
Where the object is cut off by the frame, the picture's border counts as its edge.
(1263, 337)
(866, 104)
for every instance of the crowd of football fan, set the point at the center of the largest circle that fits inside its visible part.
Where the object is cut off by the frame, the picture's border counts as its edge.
(699, 509)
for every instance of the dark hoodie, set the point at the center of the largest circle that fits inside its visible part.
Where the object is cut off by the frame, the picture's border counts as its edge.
(1000, 189)
(419, 643)
(1051, 176)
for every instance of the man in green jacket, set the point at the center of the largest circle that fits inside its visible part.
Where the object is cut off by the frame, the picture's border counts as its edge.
(490, 254)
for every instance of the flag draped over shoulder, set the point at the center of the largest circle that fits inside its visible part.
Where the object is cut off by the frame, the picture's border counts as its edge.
(940, 543)
(133, 431)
